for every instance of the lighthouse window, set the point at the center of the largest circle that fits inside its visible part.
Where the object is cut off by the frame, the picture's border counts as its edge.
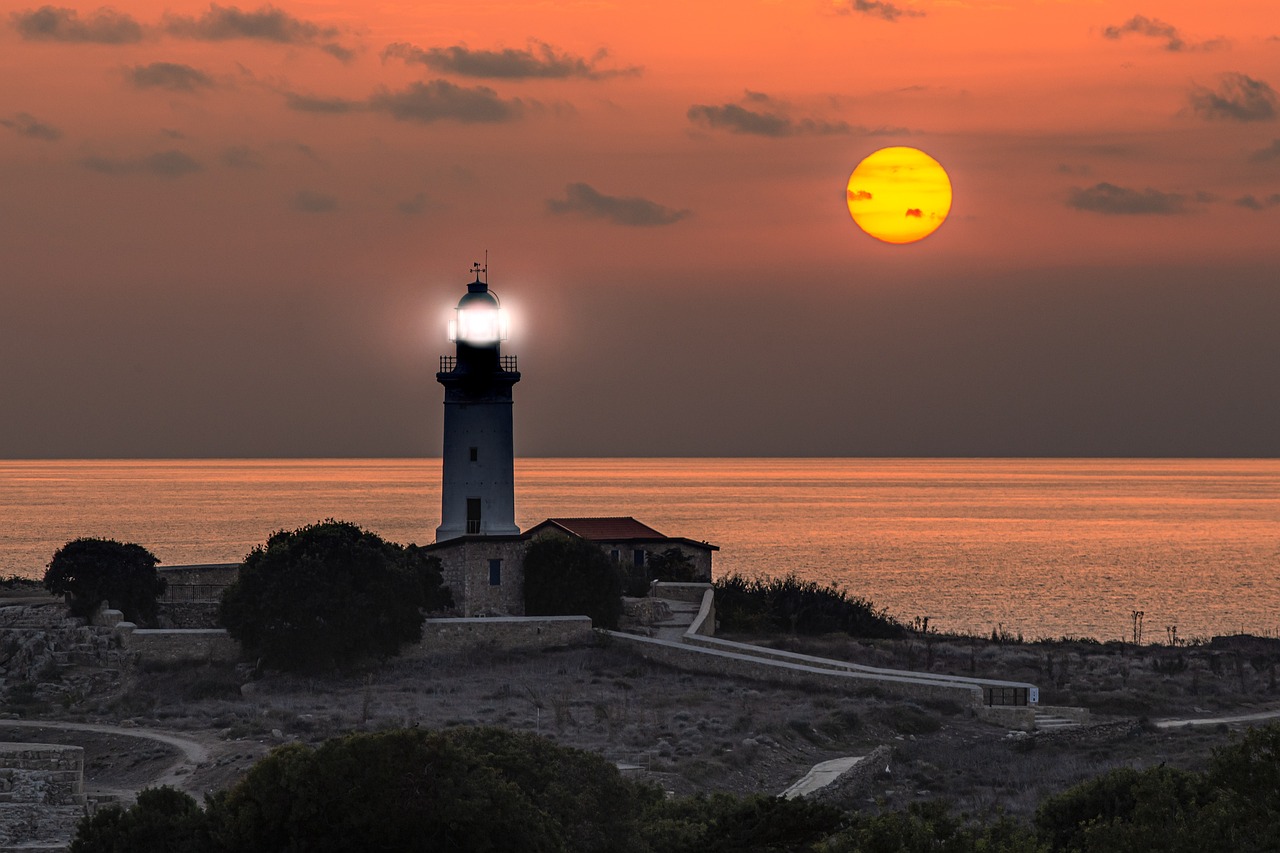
(475, 454)
(495, 573)
(638, 556)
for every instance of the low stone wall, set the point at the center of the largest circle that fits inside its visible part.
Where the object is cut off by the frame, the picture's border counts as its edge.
(162, 645)
(704, 624)
(678, 591)
(189, 614)
(41, 795)
(502, 632)
(714, 662)
(852, 785)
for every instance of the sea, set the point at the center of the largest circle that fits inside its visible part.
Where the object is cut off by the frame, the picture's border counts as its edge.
(1044, 548)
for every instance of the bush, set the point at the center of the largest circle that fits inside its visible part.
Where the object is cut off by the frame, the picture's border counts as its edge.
(330, 594)
(92, 571)
(164, 820)
(568, 576)
(798, 607)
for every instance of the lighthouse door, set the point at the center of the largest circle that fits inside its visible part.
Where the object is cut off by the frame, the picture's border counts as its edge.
(473, 515)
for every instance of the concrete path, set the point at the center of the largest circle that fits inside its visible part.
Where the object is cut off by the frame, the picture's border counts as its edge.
(1217, 721)
(193, 753)
(820, 776)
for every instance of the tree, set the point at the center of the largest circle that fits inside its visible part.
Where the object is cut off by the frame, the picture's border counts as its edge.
(163, 820)
(330, 594)
(568, 576)
(92, 571)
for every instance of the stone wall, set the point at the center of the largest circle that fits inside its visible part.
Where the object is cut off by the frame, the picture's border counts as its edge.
(714, 662)
(850, 787)
(189, 614)
(181, 646)
(41, 795)
(502, 632)
(465, 566)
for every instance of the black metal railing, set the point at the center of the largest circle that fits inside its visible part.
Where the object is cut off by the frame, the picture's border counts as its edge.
(448, 363)
(1005, 695)
(509, 363)
(473, 525)
(193, 592)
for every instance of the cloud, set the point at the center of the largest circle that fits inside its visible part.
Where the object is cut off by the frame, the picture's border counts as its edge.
(1121, 201)
(310, 104)
(1237, 98)
(539, 60)
(860, 195)
(880, 9)
(168, 75)
(241, 157)
(413, 206)
(914, 212)
(440, 99)
(1268, 154)
(1252, 203)
(583, 200)
(1151, 27)
(163, 164)
(267, 23)
(309, 201)
(49, 23)
(738, 119)
(25, 124)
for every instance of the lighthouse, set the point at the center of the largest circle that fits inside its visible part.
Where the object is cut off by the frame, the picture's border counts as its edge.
(478, 488)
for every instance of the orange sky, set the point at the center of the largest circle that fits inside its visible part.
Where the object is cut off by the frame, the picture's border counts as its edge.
(215, 216)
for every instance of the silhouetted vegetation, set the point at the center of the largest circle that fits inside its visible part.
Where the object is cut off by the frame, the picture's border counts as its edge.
(568, 576)
(671, 565)
(330, 594)
(96, 570)
(486, 789)
(794, 606)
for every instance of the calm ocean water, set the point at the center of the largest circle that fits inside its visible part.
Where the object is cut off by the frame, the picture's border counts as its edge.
(1042, 547)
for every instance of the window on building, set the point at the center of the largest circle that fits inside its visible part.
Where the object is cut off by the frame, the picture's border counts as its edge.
(475, 454)
(495, 573)
(638, 556)
(615, 555)
(473, 515)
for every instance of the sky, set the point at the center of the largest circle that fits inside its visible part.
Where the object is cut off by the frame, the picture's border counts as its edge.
(239, 230)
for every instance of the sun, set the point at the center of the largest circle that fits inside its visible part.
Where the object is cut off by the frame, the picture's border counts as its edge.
(899, 195)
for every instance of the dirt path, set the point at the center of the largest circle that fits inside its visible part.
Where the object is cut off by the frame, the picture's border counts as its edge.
(193, 753)
(1215, 721)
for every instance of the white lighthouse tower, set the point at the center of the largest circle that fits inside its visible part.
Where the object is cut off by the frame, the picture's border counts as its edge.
(478, 494)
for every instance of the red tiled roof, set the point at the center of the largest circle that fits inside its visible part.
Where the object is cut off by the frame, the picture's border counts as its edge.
(606, 529)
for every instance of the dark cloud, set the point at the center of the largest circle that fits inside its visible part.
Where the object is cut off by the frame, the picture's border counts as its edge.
(168, 75)
(1253, 203)
(413, 206)
(1113, 200)
(583, 200)
(880, 9)
(1266, 155)
(738, 119)
(267, 23)
(914, 212)
(309, 201)
(539, 60)
(163, 164)
(860, 195)
(1237, 98)
(241, 157)
(49, 23)
(440, 99)
(309, 104)
(25, 124)
(1151, 27)
(338, 52)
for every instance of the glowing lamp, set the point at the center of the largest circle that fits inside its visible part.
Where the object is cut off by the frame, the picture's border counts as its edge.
(479, 319)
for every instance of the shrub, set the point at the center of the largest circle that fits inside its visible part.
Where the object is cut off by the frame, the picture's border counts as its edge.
(163, 820)
(568, 576)
(92, 571)
(799, 607)
(330, 594)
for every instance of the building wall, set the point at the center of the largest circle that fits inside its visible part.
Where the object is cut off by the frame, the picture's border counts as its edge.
(699, 557)
(465, 566)
(502, 632)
